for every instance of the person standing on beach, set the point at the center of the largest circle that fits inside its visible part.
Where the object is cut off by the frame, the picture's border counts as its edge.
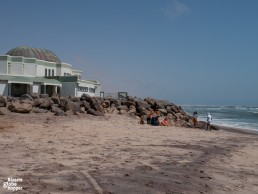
(195, 116)
(209, 118)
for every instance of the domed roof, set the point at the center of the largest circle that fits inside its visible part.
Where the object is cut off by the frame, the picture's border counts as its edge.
(29, 52)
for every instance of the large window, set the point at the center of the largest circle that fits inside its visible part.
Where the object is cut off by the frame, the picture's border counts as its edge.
(49, 72)
(45, 72)
(53, 72)
(91, 90)
(83, 89)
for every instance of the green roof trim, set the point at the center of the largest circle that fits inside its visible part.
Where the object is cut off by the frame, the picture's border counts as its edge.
(30, 80)
(29, 60)
(16, 59)
(64, 65)
(72, 78)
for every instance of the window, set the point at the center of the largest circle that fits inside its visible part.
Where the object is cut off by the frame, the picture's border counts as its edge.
(49, 72)
(45, 72)
(53, 72)
(83, 89)
(9, 68)
(92, 90)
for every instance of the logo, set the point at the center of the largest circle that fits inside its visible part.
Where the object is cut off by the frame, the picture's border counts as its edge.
(12, 184)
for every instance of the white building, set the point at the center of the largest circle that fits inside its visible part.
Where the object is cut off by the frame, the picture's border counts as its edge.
(26, 70)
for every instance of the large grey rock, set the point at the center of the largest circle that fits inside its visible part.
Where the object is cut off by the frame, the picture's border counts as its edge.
(167, 103)
(86, 105)
(173, 109)
(122, 107)
(105, 104)
(122, 112)
(86, 97)
(76, 99)
(35, 95)
(69, 113)
(83, 110)
(44, 96)
(63, 103)
(95, 104)
(115, 102)
(47, 104)
(95, 113)
(20, 108)
(159, 105)
(26, 97)
(59, 112)
(38, 110)
(3, 101)
(163, 111)
(38, 102)
(128, 103)
(150, 101)
(131, 110)
(130, 98)
(74, 106)
(56, 100)
(54, 108)
(4, 111)
(203, 125)
(187, 125)
(112, 110)
(142, 111)
(141, 103)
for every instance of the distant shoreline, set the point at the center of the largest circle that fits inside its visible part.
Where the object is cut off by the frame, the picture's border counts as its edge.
(237, 130)
(236, 118)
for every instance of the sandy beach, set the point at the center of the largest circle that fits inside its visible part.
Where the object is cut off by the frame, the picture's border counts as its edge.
(113, 154)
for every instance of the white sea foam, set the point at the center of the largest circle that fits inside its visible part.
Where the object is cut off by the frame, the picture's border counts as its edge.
(233, 116)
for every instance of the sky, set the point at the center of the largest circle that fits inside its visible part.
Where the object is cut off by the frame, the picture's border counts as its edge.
(202, 52)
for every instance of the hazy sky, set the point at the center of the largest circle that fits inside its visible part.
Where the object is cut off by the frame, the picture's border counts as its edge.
(185, 51)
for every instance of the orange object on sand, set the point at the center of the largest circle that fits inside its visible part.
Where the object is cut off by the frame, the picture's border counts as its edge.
(164, 122)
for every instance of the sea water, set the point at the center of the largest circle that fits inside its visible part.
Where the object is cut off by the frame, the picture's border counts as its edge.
(244, 117)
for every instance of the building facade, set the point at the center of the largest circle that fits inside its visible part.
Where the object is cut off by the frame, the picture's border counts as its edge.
(27, 70)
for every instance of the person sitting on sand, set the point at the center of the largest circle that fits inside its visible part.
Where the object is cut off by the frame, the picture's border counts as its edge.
(195, 116)
(143, 119)
(209, 118)
(150, 117)
(164, 122)
(155, 119)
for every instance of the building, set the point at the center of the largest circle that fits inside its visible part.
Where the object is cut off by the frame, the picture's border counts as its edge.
(27, 70)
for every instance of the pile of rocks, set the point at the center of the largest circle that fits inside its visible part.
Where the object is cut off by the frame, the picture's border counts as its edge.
(133, 106)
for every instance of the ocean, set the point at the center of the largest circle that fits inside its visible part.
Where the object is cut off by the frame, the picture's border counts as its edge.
(244, 117)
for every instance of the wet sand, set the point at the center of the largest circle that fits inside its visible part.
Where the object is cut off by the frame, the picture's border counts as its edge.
(114, 154)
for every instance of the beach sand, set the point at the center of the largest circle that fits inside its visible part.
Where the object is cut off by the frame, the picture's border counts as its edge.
(114, 154)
